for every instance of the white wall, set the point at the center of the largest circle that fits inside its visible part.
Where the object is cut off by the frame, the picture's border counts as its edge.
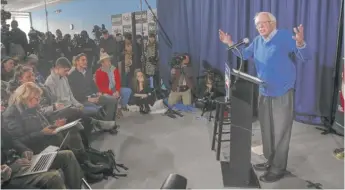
(24, 20)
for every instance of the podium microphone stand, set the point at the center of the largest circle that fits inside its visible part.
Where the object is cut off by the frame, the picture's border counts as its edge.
(240, 172)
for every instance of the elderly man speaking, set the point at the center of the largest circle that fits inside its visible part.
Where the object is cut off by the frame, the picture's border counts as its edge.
(271, 53)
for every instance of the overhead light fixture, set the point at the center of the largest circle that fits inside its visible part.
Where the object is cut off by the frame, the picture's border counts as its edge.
(58, 11)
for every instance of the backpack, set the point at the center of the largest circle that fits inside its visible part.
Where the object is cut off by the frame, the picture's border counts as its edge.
(107, 159)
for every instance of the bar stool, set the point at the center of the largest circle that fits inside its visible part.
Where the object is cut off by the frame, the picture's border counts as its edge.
(219, 121)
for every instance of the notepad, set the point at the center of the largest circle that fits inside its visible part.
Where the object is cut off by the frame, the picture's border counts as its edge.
(67, 126)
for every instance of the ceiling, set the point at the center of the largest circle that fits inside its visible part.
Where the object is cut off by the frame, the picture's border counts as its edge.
(28, 5)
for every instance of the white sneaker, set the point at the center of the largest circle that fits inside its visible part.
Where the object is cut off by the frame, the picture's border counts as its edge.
(133, 108)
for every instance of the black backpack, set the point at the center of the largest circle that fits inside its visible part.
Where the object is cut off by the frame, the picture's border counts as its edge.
(107, 159)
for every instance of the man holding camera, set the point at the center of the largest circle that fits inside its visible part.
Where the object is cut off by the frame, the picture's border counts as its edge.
(181, 83)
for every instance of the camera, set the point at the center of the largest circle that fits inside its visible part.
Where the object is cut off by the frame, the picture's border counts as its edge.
(5, 15)
(177, 59)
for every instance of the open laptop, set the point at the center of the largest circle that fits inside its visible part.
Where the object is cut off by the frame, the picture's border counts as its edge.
(41, 163)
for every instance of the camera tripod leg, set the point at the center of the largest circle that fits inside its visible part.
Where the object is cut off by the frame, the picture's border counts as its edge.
(210, 116)
(203, 111)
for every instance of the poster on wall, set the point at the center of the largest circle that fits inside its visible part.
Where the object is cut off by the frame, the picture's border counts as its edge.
(139, 30)
(140, 17)
(117, 29)
(126, 18)
(150, 18)
(127, 29)
(122, 23)
(152, 27)
(116, 20)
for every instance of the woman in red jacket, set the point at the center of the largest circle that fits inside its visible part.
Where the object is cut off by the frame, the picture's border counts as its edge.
(108, 81)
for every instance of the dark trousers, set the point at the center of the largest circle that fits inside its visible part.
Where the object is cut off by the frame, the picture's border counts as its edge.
(110, 104)
(65, 161)
(150, 100)
(72, 114)
(276, 119)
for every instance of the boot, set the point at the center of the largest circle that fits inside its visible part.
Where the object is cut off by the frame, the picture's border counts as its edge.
(104, 125)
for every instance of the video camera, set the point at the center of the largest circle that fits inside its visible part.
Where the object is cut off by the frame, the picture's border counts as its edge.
(5, 15)
(212, 74)
(177, 59)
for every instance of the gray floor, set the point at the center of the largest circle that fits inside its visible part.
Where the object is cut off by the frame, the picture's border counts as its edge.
(153, 146)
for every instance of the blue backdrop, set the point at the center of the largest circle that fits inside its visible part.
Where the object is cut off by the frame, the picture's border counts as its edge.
(192, 26)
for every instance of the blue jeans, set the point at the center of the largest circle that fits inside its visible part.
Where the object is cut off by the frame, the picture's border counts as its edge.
(125, 95)
(90, 109)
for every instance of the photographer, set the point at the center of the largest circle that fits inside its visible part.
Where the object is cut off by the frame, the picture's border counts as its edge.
(67, 47)
(35, 42)
(88, 47)
(181, 81)
(18, 41)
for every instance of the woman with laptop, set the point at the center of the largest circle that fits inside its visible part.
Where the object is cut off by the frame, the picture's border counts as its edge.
(52, 179)
(29, 128)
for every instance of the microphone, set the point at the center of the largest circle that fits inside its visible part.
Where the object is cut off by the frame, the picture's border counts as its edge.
(244, 41)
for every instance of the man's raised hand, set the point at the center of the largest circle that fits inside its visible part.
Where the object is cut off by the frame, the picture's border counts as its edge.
(299, 35)
(224, 37)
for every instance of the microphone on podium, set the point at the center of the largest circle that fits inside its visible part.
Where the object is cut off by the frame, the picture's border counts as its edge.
(243, 41)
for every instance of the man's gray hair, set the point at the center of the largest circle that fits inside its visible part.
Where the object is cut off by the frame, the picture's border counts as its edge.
(270, 15)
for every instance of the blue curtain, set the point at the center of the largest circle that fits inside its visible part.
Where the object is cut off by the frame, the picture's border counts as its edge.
(192, 26)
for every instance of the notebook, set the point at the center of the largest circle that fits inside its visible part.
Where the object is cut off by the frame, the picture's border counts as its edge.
(67, 126)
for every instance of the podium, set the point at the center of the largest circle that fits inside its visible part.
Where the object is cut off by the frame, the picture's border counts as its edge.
(238, 172)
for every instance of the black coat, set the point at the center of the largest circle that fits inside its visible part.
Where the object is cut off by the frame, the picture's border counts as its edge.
(82, 85)
(24, 125)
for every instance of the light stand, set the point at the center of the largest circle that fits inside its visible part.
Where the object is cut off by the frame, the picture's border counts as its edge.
(165, 37)
(143, 47)
(45, 8)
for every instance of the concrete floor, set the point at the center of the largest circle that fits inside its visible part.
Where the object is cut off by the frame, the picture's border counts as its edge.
(153, 146)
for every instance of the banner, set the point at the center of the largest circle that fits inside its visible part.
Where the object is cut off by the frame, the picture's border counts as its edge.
(150, 18)
(152, 27)
(144, 22)
(140, 17)
(117, 29)
(127, 29)
(139, 30)
(116, 20)
(126, 18)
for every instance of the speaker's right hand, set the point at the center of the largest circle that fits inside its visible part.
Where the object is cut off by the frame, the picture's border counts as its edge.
(225, 37)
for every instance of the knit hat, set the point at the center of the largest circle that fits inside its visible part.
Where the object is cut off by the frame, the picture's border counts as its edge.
(63, 61)
(32, 57)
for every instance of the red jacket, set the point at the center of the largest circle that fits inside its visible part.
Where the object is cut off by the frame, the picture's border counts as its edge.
(102, 81)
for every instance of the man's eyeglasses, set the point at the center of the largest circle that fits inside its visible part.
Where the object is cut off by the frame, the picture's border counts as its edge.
(262, 23)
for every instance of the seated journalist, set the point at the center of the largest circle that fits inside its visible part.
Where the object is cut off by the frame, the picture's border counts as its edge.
(142, 93)
(31, 130)
(58, 84)
(108, 81)
(14, 162)
(85, 90)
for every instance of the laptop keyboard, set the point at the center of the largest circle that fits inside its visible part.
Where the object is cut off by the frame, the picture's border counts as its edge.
(42, 163)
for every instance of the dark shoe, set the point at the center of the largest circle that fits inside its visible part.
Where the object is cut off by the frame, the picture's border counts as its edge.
(270, 177)
(261, 167)
(93, 168)
(93, 178)
(143, 109)
(114, 130)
